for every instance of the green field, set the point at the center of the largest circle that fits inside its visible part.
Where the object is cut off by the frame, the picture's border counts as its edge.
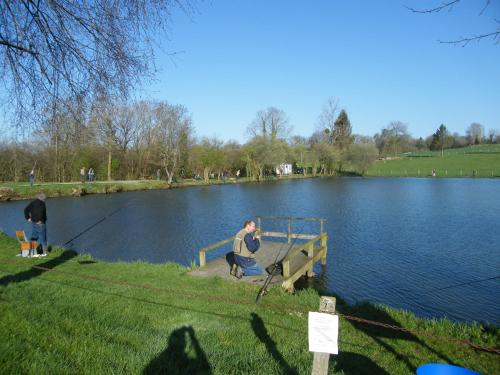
(460, 162)
(93, 317)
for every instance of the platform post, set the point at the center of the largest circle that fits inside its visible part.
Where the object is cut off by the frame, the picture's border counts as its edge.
(324, 239)
(286, 269)
(289, 234)
(320, 361)
(202, 258)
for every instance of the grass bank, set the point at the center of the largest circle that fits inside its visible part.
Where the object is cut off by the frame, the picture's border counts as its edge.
(90, 317)
(480, 161)
(23, 190)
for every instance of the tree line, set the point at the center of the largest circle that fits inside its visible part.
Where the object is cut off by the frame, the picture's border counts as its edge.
(150, 139)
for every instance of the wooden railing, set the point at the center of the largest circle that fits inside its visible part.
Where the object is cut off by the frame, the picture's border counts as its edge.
(203, 259)
(309, 248)
(289, 235)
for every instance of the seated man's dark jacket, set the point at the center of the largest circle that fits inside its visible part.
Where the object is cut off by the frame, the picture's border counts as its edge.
(36, 211)
(252, 245)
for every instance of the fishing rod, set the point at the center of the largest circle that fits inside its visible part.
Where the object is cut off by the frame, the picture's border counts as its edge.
(97, 223)
(274, 268)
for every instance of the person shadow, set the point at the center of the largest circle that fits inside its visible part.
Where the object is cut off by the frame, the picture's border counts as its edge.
(261, 332)
(176, 359)
(378, 334)
(34, 271)
(354, 363)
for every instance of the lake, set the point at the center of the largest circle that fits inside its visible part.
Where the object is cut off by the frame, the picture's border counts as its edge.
(404, 242)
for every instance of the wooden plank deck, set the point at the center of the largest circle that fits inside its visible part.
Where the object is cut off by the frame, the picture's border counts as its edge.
(265, 257)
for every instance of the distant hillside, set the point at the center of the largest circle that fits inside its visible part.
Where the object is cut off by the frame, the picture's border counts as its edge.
(472, 161)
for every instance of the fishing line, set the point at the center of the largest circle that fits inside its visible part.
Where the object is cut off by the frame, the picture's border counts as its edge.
(466, 283)
(97, 223)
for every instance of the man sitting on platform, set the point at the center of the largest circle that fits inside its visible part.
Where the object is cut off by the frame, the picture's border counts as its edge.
(244, 247)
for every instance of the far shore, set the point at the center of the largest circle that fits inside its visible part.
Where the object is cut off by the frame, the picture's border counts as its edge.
(11, 191)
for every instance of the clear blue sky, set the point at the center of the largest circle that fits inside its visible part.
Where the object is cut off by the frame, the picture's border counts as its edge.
(380, 60)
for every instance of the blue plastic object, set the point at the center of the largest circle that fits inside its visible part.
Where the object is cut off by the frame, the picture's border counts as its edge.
(442, 369)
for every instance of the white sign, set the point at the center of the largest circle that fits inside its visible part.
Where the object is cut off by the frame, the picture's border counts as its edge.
(323, 333)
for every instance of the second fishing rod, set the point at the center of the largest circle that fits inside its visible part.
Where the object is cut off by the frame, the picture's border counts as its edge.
(277, 266)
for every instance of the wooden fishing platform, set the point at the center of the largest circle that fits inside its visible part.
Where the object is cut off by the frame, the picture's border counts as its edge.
(298, 262)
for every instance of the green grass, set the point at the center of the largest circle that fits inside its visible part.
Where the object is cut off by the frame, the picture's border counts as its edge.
(461, 162)
(91, 317)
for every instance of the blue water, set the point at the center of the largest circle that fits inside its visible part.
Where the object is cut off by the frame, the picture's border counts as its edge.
(393, 241)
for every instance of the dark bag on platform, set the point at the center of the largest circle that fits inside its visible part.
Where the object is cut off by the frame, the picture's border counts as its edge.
(275, 269)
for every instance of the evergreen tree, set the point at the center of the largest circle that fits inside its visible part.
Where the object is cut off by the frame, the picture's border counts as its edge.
(342, 137)
(440, 139)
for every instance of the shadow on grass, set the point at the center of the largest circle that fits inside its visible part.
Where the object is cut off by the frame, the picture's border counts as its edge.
(261, 332)
(382, 336)
(176, 359)
(482, 152)
(34, 272)
(354, 363)
(378, 334)
(87, 262)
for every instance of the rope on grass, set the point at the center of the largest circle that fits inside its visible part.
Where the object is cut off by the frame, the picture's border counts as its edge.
(296, 310)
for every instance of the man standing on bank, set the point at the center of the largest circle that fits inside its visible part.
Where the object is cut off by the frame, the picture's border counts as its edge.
(244, 247)
(36, 213)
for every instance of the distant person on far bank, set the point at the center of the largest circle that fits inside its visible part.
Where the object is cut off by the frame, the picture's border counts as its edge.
(82, 175)
(32, 177)
(90, 174)
(36, 214)
(245, 246)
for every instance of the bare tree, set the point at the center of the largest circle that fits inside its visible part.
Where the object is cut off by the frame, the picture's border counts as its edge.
(326, 120)
(103, 119)
(393, 139)
(64, 131)
(492, 134)
(143, 138)
(272, 123)
(173, 123)
(448, 6)
(52, 49)
(475, 133)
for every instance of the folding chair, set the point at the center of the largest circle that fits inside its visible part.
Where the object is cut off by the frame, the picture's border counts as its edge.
(28, 248)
